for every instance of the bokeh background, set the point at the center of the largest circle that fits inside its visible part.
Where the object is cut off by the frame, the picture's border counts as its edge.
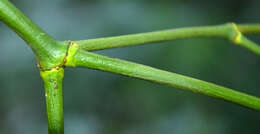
(103, 103)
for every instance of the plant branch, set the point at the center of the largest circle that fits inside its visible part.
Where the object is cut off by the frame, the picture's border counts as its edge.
(53, 80)
(81, 58)
(249, 28)
(48, 51)
(248, 44)
(53, 54)
(228, 31)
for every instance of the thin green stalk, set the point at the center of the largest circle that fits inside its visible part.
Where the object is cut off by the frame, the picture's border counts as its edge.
(48, 51)
(53, 80)
(81, 58)
(227, 31)
(249, 28)
(248, 44)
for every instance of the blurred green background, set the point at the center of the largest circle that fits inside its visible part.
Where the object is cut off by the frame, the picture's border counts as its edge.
(103, 103)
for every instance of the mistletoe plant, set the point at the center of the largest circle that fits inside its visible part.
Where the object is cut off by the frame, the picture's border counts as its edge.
(54, 55)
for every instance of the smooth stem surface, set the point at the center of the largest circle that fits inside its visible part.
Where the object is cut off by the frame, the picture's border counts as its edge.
(153, 37)
(80, 58)
(227, 31)
(248, 44)
(53, 80)
(48, 51)
(249, 28)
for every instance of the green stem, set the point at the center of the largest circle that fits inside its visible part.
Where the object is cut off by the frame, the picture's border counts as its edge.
(248, 44)
(47, 50)
(249, 28)
(53, 81)
(226, 31)
(81, 58)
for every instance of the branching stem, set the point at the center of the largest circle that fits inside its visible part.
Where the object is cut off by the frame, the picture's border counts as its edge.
(49, 52)
(52, 55)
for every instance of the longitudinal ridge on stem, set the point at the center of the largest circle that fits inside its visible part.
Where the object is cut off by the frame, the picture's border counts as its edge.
(80, 58)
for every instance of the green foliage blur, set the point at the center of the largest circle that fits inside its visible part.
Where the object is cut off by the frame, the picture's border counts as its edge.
(103, 103)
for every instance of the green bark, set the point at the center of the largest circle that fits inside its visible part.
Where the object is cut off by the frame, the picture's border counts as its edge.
(49, 52)
(53, 80)
(53, 55)
(80, 58)
(228, 31)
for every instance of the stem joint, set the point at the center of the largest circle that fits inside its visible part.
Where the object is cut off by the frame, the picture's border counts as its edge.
(236, 38)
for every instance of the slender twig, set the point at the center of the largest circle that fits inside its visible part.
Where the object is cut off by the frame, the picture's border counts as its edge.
(53, 80)
(81, 58)
(249, 28)
(248, 44)
(228, 31)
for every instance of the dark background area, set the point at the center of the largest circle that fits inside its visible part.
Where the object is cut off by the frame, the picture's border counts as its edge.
(103, 103)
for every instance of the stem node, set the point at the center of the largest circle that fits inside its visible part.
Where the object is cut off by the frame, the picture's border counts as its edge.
(238, 35)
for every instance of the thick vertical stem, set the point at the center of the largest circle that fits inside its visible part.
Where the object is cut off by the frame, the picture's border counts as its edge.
(53, 80)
